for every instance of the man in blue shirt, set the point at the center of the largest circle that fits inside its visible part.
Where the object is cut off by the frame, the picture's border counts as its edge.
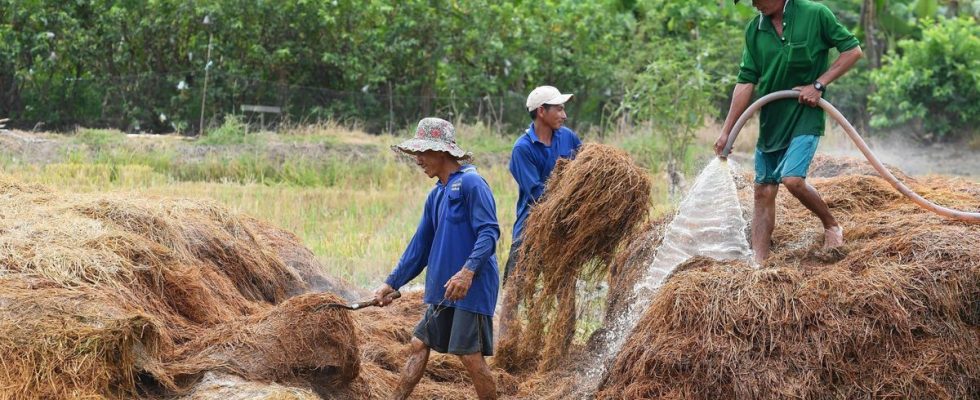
(534, 156)
(455, 239)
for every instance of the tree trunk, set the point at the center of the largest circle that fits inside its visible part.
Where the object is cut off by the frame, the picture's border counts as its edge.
(873, 46)
(953, 9)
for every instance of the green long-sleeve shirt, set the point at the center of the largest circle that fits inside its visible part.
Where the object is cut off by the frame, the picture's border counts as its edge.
(796, 58)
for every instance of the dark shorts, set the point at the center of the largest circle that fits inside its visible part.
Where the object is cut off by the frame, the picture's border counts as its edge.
(793, 161)
(454, 331)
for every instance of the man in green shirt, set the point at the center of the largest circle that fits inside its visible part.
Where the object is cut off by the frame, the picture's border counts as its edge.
(786, 47)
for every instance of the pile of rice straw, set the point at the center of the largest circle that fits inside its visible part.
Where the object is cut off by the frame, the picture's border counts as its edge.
(591, 204)
(113, 295)
(124, 296)
(898, 316)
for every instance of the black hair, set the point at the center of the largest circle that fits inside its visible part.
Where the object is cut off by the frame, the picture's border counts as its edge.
(534, 112)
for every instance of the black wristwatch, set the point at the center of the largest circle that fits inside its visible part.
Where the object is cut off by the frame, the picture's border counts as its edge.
(819, 86)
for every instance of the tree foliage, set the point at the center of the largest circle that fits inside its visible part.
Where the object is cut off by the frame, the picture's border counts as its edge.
(139, 65)
(933, 83)
(127, 63)
(680, 68)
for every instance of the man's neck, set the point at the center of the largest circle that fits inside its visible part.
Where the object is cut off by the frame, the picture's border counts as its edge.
(778, 15)
(544, 132)
(447, 170)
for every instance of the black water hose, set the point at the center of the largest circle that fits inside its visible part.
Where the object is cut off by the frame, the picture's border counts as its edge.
(970, 217)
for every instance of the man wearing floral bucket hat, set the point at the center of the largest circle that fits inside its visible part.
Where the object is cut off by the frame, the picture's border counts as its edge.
(455, 239)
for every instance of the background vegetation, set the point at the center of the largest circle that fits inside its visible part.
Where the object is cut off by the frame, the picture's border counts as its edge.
(663, 65)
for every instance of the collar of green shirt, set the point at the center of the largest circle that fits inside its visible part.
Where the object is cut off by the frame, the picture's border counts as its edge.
(788, 11)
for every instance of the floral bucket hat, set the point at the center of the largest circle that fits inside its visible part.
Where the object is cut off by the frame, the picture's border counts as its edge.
(433, 134)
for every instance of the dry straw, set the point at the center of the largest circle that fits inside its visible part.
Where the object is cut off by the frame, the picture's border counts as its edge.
(118, 296)
(123, 296)
(896, 317)
(385, 335)
(590, 205)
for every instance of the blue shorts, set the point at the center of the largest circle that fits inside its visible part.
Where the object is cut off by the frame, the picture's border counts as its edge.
(793, 161)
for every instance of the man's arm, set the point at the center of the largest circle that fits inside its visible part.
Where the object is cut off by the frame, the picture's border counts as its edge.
(483, 221)
(841, 65)
(414, 258)
(748, 77)
(526, 174)
(810, 96)
(576, 144)
(741, 98)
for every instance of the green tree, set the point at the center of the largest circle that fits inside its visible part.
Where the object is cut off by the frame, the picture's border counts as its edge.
(933, 85)
(679, 69)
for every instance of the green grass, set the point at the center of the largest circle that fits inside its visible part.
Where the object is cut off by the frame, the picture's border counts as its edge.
(232, 131)
(99, 139)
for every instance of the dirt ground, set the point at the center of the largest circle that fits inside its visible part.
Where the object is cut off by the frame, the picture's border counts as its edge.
(916, 158)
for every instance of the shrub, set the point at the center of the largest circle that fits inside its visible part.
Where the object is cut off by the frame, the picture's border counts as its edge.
(100, 139)
(933, 84)
(232, 131)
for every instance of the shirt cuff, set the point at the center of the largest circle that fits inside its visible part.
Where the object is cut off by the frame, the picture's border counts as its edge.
(472, 264)
(744, 77)
(390, 281)
(848, 44)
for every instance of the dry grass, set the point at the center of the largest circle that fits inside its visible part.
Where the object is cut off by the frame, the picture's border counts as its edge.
(896, 317)
(109, 296)
(385, 335)
(591, 204)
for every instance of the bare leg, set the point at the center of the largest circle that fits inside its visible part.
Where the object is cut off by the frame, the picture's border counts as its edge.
(833, 235)
(413, 370)
(763, 220)
(481, 376)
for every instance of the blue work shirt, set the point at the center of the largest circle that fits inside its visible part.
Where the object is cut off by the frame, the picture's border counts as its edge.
(531, 163)
(458, 229)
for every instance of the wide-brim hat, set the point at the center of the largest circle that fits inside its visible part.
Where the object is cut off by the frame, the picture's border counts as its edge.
(433, 134)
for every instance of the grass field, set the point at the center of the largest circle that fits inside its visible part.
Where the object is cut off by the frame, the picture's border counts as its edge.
(350, 199)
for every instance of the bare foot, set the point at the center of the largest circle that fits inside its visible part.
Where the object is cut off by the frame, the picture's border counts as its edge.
(830, 256)
(833, 237)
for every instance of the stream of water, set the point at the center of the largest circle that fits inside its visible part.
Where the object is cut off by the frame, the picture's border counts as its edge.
(708, 223)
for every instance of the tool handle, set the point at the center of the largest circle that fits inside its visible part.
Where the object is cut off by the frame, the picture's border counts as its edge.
(374, 302)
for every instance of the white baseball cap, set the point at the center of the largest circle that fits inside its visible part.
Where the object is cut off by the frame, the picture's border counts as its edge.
(542, 95)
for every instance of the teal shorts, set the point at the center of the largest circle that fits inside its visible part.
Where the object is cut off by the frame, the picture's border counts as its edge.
(793, 161)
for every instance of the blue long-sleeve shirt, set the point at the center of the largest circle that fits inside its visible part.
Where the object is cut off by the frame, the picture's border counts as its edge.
(458, 229)
(531, 163)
